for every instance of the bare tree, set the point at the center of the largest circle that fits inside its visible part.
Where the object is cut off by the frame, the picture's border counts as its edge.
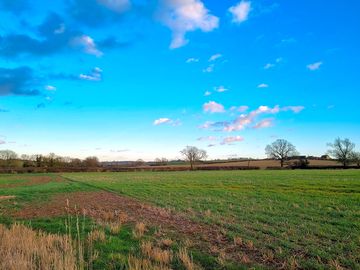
(342, 150)
(280, 149)
(8, 155)
(355, 157)
(193, 154)
(91, 162)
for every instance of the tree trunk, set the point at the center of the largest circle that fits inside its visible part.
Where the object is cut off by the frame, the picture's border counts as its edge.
(282, 163)
(191, 166)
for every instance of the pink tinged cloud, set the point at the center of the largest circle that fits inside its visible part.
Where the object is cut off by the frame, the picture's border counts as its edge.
(183, 16)
(88, 45)
(161, 121)
(266, 123)
(241, 11)
(213, 107)
(232, 139)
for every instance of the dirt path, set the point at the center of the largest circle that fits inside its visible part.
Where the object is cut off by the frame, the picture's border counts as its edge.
(97, 204)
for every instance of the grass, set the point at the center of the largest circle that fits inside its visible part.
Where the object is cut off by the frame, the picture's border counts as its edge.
(306, 219)
(312, 217)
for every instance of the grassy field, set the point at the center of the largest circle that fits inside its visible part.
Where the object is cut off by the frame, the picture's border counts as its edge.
(225, 219)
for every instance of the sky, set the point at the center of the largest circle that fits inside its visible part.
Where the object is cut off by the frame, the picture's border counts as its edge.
(130, 79)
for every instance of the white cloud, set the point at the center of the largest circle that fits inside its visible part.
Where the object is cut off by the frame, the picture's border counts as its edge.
(116, 5)
(243, 108)
(209, 69)
(192, 60)
(263, 85)
(168, 121)
(232, 139)
(2, 142)
(213, 107)
(88, 44)
(221, 89)
(161, 121)
(314, 66)
(264, 123)
(215, 57)
(183, 16)
(240, 12)
(95, 75)
(294, 109)
(50, 88)
(268, 66)
(208, 138)
(207, 93)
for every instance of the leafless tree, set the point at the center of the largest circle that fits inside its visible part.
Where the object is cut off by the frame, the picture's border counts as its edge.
(342, 150)
(91, 162)
(280, 149)
(8, 155)
(355, 157)
(193, 154)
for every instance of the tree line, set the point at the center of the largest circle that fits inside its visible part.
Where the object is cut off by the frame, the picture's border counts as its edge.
(341, 150)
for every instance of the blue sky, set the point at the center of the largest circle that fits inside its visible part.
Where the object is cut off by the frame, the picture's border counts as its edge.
(129, 79)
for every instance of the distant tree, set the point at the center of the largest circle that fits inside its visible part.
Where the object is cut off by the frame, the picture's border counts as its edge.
(280, 149)
(193, 154)
(75, 162)
(161, 161)
(341, 150)
(39, 160)
(91, 162)
(139, 162)
(8, 155)
(355, 158)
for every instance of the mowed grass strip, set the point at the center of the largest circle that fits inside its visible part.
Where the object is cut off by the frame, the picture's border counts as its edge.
(307, 219)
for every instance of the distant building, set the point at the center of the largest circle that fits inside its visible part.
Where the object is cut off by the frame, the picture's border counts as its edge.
(325, 157)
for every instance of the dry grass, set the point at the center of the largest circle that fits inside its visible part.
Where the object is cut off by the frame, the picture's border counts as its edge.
(139, 230)
(135, 263)
(22, 248)
(166, 242)
(114, 227)
(186, 259)
(238, 241)
(163, 257)
(7, 197)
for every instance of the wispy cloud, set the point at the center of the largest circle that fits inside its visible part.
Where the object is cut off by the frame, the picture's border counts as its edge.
(245, 120)
(209, 68)
(314, 66)
(207, 93)
(161, 121)
(294, 109)
(168, 121)
(232, 139)
(186, 16)
(213, 107)
(265, 123)
(263, 85)
(215, 57)
(221, 89)
(241, 11)
(88, 45)
(192, 60)
(95, 75)
(50, 88)
(208, 138)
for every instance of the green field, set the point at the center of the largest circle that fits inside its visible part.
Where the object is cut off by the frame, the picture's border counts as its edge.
(308, 219)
